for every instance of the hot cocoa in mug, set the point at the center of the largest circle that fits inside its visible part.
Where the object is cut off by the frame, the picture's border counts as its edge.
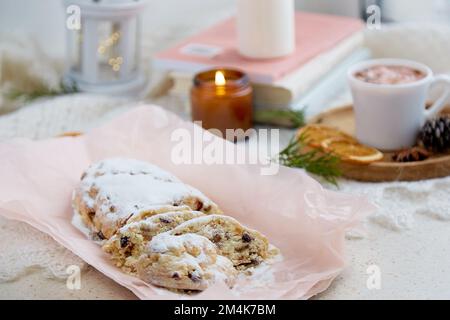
(385, 74)
(389, 98)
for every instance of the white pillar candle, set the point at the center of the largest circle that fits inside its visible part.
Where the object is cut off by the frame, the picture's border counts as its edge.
(266, 28)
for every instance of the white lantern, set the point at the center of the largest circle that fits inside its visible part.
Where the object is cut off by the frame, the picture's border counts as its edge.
(103, 51)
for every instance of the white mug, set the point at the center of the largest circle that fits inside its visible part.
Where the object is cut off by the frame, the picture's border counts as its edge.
(389, 116)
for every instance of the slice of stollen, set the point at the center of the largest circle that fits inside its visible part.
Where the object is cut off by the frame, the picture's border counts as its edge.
(186, 262)
(128, 244)
(243, 246)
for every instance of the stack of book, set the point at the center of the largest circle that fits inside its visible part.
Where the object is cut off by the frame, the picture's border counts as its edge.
(325, 46)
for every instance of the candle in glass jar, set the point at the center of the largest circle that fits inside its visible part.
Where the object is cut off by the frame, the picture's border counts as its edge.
(222, 99)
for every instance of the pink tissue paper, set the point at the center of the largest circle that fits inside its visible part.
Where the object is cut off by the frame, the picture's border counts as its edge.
(305, 221)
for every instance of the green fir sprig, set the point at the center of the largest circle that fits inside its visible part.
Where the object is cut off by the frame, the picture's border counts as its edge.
(324, 165)
(280, 117)
(39, 93)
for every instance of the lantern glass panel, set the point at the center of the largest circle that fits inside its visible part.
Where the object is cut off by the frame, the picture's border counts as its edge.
(104, 52)
(74, 50)
(115, 52)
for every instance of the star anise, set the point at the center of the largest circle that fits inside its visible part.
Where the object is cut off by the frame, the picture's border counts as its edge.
(410, 155)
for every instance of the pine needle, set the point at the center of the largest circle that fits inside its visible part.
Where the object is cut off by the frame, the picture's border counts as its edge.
(280, 117)
(323, 165)
(30, 96)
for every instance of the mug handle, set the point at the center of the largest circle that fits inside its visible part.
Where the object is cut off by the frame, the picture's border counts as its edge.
(440, 103)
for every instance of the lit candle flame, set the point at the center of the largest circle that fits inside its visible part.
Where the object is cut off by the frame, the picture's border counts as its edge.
(220, 78)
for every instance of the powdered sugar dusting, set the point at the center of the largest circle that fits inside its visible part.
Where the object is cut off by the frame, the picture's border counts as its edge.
(221, 269)
(260, 276)
(120, 188)
(196, 252)
(153, 222)
(131, 193)
(128, 166)
(165, 242)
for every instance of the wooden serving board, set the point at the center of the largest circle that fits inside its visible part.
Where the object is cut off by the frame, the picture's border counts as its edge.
(386, 169)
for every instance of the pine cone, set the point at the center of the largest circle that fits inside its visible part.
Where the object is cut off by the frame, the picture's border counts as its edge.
(435, 134)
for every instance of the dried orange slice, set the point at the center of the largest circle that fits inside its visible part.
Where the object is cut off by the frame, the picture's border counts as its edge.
(351, 151)
(315, 134)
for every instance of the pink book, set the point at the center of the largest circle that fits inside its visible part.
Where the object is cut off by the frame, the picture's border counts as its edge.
(216, 46)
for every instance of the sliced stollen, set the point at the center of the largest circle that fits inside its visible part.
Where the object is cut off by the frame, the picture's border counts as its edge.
(243, 246)
(185, 262)
(163, 231)
(115, 191)
(128, 244)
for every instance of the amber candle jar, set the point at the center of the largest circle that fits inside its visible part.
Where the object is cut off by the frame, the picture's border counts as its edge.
(222, 99)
